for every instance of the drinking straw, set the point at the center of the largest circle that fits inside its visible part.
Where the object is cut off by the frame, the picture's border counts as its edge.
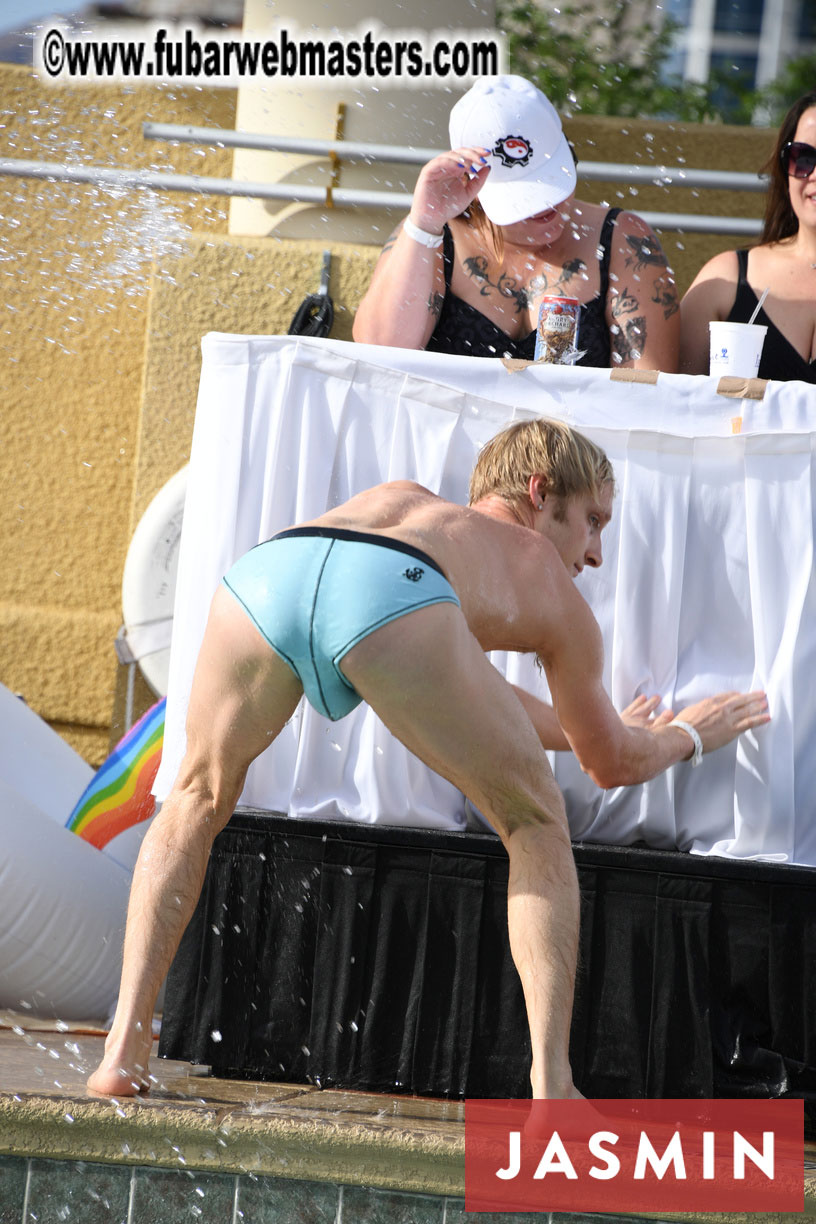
(758, 306)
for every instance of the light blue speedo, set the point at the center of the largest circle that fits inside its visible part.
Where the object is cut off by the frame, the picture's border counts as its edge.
(314, 592)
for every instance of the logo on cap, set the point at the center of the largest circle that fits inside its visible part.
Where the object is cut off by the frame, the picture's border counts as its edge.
(513, 150)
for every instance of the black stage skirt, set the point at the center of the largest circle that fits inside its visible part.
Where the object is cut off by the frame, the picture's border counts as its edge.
(377, 958)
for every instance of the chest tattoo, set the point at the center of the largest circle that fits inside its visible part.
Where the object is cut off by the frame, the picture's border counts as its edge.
(522, 295)
(571, 269)
(506, 286)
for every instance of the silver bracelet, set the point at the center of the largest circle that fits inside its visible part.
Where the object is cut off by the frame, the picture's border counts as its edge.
(420, 235)
(697, 756)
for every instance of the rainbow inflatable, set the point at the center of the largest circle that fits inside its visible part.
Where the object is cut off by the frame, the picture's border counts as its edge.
(118, 796)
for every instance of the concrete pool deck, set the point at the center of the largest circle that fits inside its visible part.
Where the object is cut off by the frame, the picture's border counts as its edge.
(410, 1146)
(227, 1126)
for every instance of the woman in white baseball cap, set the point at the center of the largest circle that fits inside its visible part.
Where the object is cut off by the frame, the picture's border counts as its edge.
(495, 225)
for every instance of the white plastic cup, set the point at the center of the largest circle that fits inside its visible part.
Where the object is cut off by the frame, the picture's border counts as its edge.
(735, 348)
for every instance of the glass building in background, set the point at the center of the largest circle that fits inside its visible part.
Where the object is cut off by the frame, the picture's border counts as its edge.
(754, 39)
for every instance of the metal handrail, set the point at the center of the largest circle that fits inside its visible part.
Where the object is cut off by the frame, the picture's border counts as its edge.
(348, 150)
(328, 197)
(201, 184)
(354, 151)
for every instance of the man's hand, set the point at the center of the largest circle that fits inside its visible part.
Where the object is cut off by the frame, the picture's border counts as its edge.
(720, 719)
(641, 713)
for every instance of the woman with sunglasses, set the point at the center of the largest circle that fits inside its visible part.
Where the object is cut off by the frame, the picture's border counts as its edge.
(728, 286)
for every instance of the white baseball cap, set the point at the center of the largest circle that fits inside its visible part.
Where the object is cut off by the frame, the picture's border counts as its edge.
(531, 164)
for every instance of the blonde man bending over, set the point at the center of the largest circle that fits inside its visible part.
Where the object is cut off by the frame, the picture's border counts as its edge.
(393, 598)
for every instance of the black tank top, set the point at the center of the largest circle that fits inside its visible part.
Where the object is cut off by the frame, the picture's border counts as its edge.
(779, 359)
(464, 330)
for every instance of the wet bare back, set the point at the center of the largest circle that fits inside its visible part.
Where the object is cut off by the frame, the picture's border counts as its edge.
(512, 585)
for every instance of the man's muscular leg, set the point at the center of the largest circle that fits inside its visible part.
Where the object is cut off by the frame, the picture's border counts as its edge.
(428, 679)
(242, 696)
(543, 923)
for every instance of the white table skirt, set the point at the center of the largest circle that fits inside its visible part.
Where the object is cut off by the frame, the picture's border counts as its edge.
(707, 582)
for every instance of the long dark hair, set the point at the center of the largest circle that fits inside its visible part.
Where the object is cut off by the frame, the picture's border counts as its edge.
(780, 219)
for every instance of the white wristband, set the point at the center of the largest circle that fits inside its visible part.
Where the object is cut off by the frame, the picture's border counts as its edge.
(697, 756)
(420, 235)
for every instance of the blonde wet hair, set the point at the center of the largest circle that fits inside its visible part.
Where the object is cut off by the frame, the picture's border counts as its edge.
(570, 462)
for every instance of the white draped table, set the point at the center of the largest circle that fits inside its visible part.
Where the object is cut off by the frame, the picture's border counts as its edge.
(707, 582)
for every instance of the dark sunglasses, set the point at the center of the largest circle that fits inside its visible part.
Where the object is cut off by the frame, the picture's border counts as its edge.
(798, 159)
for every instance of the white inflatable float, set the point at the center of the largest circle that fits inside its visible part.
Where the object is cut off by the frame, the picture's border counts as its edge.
(62, 916)
(62, 902)
(69, 836)
(36, 763)
(149, 582)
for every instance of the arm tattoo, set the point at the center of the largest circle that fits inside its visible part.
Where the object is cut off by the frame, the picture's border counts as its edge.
(435, 301)
(388, 245)
(667, 300)
(624, 303)
(629, 340)
(645, 252)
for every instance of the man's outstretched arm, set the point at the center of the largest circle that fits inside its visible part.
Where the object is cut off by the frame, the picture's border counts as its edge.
(611, 751)
(544, 720)
(639, 713)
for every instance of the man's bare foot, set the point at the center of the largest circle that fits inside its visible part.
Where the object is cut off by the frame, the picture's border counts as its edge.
(123, 1069)
(554, 1085)
(546, 1116)
(572, 1094)
(112, 1079)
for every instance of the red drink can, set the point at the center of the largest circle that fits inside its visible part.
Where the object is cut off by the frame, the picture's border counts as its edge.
(557, 331)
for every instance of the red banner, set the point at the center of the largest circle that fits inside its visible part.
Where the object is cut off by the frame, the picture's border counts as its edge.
(622, 1156)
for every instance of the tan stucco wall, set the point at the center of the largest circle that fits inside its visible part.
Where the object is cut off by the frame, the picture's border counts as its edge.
(239, 285)
(105, 299)
(75, 269)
